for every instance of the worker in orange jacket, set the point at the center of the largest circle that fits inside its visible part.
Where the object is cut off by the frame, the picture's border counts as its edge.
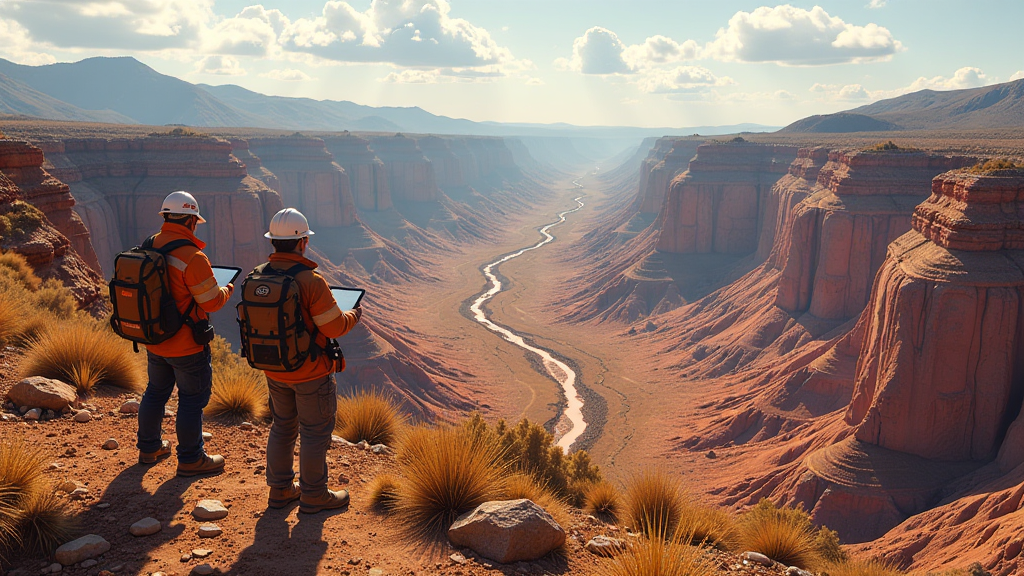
(305, 400)
(184, 359)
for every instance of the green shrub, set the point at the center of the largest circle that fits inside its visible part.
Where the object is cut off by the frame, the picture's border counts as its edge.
(182, 132)
(782, 534)
(826, 542)
(19, 220)
(994, 165)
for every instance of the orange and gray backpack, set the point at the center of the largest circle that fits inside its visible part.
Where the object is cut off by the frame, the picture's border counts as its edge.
(144, 309)
(274, 334)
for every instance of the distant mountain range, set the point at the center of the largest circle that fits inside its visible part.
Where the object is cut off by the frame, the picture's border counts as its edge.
(124, 90)
(996, 106)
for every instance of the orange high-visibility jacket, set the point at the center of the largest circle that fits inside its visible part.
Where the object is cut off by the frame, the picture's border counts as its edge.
(319, 309)
(191, 279)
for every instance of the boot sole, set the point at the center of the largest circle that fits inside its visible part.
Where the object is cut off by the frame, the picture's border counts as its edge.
(308, 509)
(153, 460)
(278, 504)
(191, 473)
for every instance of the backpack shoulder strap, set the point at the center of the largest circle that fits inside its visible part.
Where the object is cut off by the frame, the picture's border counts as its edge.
(147, 244)
(296, 269)
(172, 246)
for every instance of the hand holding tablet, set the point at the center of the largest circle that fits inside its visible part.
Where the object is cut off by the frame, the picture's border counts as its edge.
(347, 298)
(225, 274)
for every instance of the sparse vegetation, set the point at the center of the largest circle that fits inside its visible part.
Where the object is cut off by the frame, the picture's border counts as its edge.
(519, 485)
(861, 568)
(445, 472)
(890, 146)
(84, 354)
(182, 132)
(826, 542)
(16, 267)
(54, 298)
(660, 557)
(782, 534)
(239, 392)
(32, 517)
(995, 165)
(19, 220)
(368, 415)
(602, 499)
(655, 501)
(44, 523)
(384, 492)
(708, 526)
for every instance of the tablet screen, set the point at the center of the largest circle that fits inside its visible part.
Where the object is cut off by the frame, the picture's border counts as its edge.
(347, 298)
(225, 274)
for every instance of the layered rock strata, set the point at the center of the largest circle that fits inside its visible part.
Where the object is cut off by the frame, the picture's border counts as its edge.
(717, 204)
(447, 166)
(367, 176)
(411, 177)
(311, 181)
(253, 165)
(655, 181)
(23, 164)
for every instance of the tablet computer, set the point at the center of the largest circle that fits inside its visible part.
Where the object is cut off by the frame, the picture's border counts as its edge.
(347, 298)
(225, 274)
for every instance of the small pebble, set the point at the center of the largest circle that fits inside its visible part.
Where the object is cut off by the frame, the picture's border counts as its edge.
(203, 570)
(83, 416)
(129, 407)
(207, 436)
(103, 505)
(185, 557)
(246, 426)
(201, 553)
(79, 493)
(111, 444)
(355, 561)
(210, 531)
(33, 414)
(89, 563)
(145, 527)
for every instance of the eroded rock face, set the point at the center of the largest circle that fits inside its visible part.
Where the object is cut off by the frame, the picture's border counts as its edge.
(716, 205)
(23, 164)
(411, 176)
(655, 181)
(367, 176)
(120, 185)
(447, 166)
(939, 375)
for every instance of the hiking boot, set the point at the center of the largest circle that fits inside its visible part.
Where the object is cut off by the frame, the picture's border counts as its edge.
(330, 500)
(205, 465)
(281, 497)
(153, 457)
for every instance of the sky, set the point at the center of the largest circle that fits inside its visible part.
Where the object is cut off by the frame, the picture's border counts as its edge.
(648, 63)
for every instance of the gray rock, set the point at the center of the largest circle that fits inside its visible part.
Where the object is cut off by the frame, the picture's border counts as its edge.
(757, 558)
(129, 407)
(210, 531)
(203, 570)
(33, 414)
(145, 527)
(375, 572)
(458, 558)
(111, 444)
(86, 547)
(246, 426)
(508, 531)
(207, 436)
(605, 546)
(201, 553)
(53, 568)
(83, 416)
(89, 563)
(380, 449)
(39, 392)
(209, 510)
(79, 494)
(796, 571)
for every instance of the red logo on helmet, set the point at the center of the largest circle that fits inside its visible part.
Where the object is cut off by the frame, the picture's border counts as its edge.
(190, 206)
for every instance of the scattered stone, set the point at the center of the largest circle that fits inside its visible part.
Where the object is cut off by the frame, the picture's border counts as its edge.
(83, 416)
(79, 494)
(363, 444)
(458, 558)
(757, 558)
(375, 572)
(210, 531)
(145, 527)
(711, 455)
(111, 444)
(201, 553)
(158, 574)
(53, 568)
(380, 449)
(86, 547)
(508, 531)
(246, 426)
(207, 436)
(355, 561)
(796, 571)
(605, 546)
(168, 413)
(203, 570)
(103, 505)
(67, 486)
(89, 563)
(185, 557)
(129, 407)
(33, 414)
(40, 392)
(49, 414)
(209, 510)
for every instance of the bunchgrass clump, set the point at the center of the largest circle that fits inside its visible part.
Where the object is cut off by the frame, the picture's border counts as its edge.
(238, 394)
(21, 469)
(20, 269)
(708, 526)
(995, 165)
(19, 219)
(384, 492)
(32, 517)
(45, 524)
(655, 501)
(602, 499)
(445, 473)
(861, 568)
(518, 485)
(368, 415)
(658, 556)
(782, 534)
(55, 298)
(84, 354)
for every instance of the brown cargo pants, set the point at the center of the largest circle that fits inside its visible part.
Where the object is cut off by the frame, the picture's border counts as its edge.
(307, 410)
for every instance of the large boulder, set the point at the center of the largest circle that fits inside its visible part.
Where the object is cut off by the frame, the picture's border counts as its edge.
(508, 531)
(39, 392)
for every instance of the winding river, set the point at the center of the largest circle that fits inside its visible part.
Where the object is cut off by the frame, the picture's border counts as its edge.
(558, 370)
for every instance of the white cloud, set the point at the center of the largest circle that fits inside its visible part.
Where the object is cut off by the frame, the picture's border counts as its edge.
(1017, 75)
(847, 92)
(534, 82)
(16, 45)
(793, 36)
(445, 75)
(600, 51)
(630, 101)
(659, 50)
(287, 75)
(220, 66)
(681, 79)
(966, 77)
(877, 3)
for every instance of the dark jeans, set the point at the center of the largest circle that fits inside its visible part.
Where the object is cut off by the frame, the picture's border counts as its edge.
(307, 409)
(194, 377)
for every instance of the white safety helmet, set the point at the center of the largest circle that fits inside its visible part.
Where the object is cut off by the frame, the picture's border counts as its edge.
(183, 203)
(288, 224)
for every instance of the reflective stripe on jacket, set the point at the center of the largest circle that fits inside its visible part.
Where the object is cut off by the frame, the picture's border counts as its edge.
(191, 279)
(318, 309)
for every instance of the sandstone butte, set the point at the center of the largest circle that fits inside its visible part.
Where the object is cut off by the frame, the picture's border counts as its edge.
(253, 165)
(655, 182)
(310, 179)
(47, 250)
(447, 166)
(367, 175)
(410, 175)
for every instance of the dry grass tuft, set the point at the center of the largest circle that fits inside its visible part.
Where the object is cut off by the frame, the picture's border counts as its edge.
(518, 485)
(446, 472)
(384, 492)
(20, 269)
(45, 524)
(55, 298)
(655, 502)
(602, 499)
(995, 165)
(238, 394)
(709, 527)
(10, 520)
(861, 568)
(368, 415)
(84, 354)
(21, 469)
(658, 557)
(782, 534)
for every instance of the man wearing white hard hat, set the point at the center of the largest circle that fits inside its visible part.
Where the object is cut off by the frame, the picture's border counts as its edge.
(303, 400)
(184, 360)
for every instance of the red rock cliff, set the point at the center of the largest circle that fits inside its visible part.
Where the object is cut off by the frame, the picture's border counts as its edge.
(716, 205)
(410, 175)
(367, 176)
(656, 179)
(447, 166)
(310, 179)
